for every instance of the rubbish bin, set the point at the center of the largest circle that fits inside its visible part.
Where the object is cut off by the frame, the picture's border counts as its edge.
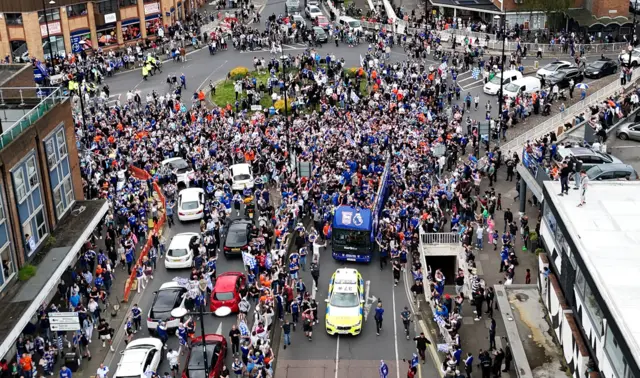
(72, 361)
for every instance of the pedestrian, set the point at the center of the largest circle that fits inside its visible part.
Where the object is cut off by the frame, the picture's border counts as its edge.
(468, 365)
(378, 317)
(102, 371)
(497, 363)
(584, 183)
(162, 334)
(238, 368)
(307, 325)
(485, 364)
(384, 369)
(286, 331)
(421, 345)
(140, 277)
(478, 298)
(65, 372)
(564, 179)
(136, 316)
(234, 339)
(104, 331)
(527, 277)
(397, 268)
(315, 274)
(508, 357)
(492, 334)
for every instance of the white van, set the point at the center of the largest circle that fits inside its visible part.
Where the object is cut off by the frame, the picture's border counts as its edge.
(353, 24)
(526, 85)
(493, 86)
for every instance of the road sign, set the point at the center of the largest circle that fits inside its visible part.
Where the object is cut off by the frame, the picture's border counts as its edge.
(65, 327)
(64, 321)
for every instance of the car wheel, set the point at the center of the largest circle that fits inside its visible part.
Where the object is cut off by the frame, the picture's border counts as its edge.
(623, 136)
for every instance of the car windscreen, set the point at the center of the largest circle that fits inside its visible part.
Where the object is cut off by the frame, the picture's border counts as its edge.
(196, 359)
(495, 80)
(166, 300)
(606, 158)
(597, 64)
(177, 252)
(344, 300)
(354, 24)
(236, 238)
(180, 166)
(191, 205)
(594, 172)
(351, 238)
(223, 296)
(241, 177)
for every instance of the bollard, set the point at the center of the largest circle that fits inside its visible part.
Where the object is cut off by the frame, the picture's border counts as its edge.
(536, 64)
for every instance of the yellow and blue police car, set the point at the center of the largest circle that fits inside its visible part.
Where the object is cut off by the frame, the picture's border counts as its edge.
(345, 303)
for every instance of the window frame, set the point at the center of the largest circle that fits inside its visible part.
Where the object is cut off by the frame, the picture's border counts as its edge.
(63, 198)
(6, 248)
(51, 15)
(14, 20)
(20, 197)
(72, 12)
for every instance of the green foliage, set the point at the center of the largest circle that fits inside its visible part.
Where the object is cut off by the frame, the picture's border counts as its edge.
(27, 272)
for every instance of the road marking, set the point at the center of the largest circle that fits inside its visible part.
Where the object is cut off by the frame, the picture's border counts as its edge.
(219, 329)
(475, 85)
(368, 301)
(314, 290)
(465, 79)
(337, 354)
(212, 72)
(638, 146)
(395, 330)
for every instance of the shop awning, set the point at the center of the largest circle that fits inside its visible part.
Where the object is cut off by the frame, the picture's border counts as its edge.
(152, 16)
(482, 6)
(131, 21)
(584, 18)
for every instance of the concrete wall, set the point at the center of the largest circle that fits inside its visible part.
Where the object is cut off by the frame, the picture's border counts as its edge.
(564, 324)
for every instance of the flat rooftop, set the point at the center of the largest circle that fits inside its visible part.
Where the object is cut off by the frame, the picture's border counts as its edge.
(606, 230)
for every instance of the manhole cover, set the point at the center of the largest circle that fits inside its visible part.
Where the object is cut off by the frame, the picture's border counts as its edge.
(522, 297)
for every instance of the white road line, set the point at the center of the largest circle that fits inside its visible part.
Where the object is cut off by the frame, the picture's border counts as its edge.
(212, 72)
(465, 79)
(337, 354)
(395, 330)
(219, 329)
(638, 146)
(478, 85)
(314, 290)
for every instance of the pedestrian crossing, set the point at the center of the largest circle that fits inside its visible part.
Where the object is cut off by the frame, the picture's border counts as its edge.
(466, 81)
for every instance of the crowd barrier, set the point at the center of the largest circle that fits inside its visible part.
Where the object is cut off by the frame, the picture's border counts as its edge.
(556, 123)
(140, 174)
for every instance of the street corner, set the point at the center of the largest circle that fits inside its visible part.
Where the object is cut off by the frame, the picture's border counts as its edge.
(306, 368)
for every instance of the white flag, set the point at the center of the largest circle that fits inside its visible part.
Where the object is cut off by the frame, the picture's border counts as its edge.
(354, 97)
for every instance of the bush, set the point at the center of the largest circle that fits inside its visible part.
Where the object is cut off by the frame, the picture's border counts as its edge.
(539, 251)
(533, 236)
(27, 272)
(279, 105)
(239, 73)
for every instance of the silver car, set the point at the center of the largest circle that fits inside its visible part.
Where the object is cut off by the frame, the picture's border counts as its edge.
(587, 156)
(614, 171)
(629, 130)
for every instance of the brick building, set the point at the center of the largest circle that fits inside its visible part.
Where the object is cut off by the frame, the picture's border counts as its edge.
(76, 25)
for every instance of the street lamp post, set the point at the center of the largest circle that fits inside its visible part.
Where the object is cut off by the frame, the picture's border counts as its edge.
(633, 30)
(182, 312)
(46, 23)
(503, 59)
(286, 115)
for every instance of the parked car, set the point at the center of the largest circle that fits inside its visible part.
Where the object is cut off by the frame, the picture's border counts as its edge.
(552, 67)
(614, 171)
(181, 169)
(237, 238)
(563, 77)
(322, 22)
(169, 297)
(292, 6)
(139, 357)
(191, 204)
(312, 11)
(629, 130)
(587, 156)
(216, 349)
(241, 176)
(600, 68)
(299, 20)
(634, 59)
(320, 34)
(180, 252)
(226, 292)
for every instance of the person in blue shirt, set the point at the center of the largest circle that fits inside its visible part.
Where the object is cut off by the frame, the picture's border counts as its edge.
(378, 317)
(294, 268)
(65, 372)
(162, 333)
(295, 312)
(136, 315)
(129, 257)
(303, 257)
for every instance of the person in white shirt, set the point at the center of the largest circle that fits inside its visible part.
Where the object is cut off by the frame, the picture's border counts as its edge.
(102, 371)
(172, 357)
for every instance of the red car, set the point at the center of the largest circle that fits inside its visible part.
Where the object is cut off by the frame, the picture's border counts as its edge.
(321, 21)
(216, 346)
(226, 293)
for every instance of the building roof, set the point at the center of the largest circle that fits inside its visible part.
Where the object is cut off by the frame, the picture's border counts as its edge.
(472, 5)
(606, 231)
(17, 309)
(585, 18)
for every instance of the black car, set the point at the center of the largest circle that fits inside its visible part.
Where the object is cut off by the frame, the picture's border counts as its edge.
(563, 77)
(320, 34)
(600, 68)
(238, 236)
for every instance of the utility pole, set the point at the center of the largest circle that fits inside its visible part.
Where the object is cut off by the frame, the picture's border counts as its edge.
(633, 30)
(286, 103)
(46, 22)
(501, 97)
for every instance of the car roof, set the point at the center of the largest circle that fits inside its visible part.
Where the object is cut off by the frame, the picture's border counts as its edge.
(559, 62)
(241, 168)
(580, 151)
(209, 337)
(182, 239)
(171, 160)
(345, 276)
(614, 167)
(226, 281)
(191, 193)
(134, 356)
(170, 285)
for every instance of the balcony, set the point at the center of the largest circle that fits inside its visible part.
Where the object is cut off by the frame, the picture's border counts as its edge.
(21, 107)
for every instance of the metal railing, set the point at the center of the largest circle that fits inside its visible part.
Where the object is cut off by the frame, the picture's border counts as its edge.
(55, 97)
(556, 123)
(439, 238)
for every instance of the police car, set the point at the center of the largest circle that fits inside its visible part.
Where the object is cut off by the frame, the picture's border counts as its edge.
(345, 303)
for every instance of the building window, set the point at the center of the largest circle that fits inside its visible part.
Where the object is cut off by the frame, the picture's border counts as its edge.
(551, 219)
(131, 32)
(13, 18)
(593, 309)
(55, 46)
(128, 3)
(6, 255)
(59, 172)
(28, 191)
(52, 15)
(19, 51)
(76, 10)
(153, 26)
(107, 6)
(107, 37)
(580, 282)
(614, 352)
